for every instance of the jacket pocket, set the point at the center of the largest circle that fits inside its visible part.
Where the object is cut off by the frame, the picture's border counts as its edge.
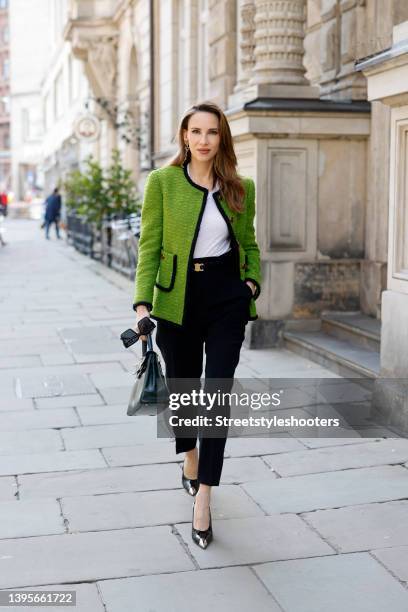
(248, 289)
(166, 275)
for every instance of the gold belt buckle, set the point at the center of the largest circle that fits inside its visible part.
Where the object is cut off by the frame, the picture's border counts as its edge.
(198, 266)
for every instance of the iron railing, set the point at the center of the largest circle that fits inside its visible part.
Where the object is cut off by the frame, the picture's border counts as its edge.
(116, 244)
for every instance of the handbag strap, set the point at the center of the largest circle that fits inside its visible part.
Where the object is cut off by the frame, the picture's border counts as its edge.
(147, 345)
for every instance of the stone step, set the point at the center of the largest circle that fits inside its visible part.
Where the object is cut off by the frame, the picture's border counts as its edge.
(354, 327)
(340, 356)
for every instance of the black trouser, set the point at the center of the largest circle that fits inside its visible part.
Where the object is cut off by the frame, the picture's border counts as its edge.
(217, 304)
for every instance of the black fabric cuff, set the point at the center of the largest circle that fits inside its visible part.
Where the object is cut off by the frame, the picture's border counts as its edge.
(148, 305)
(257, 287)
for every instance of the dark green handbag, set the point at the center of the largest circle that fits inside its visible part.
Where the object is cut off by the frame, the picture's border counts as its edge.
(150, 389)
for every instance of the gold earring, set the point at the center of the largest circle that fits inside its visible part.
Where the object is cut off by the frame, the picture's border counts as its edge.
(186, 150)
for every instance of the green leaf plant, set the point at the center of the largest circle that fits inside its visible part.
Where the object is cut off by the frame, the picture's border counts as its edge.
(98, 194)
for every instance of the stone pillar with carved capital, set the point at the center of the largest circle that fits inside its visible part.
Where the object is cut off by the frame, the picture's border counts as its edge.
(246, 44)
(271, 51)
(279, 34)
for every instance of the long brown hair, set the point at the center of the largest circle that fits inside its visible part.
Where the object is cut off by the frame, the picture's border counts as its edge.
(225, 161)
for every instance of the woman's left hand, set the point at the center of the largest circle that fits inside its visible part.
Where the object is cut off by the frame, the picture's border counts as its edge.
(251, 286)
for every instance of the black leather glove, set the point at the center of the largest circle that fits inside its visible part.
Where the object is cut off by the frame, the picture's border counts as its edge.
(145, 326)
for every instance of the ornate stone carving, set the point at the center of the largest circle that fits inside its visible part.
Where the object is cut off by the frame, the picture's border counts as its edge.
(102, 55)
(99, 54)
(279, 34)
(247, 44)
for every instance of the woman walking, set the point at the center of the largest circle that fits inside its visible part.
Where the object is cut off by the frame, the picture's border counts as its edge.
(198, 276)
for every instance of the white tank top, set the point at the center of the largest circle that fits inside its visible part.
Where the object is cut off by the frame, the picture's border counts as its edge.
(213, 237)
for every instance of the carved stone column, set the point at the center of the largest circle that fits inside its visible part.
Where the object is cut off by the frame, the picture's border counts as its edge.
(271, 51)
(279, 34)
(246, 46)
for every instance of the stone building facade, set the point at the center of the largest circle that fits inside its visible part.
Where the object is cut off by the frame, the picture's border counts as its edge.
(304, 128)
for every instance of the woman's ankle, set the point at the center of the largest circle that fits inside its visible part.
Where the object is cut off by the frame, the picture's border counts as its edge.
(190, 465)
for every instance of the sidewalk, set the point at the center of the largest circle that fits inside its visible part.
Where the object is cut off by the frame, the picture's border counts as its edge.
(91, 501)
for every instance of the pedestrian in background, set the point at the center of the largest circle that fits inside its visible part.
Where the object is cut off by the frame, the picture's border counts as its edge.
(198, 275)
(3, 203)
(52, 213)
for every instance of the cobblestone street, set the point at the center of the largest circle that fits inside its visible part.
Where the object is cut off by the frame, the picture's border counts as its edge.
(91, 500)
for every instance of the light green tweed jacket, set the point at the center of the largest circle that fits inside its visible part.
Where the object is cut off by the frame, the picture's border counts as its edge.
(171, 214)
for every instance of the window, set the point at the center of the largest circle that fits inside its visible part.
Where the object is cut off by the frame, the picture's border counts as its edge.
(6, 104)
(76, 78)
(25, 124)
(59, 95)
(6, 68)
(3, 4)
(48, 108)
(6, 140)
(70, 80)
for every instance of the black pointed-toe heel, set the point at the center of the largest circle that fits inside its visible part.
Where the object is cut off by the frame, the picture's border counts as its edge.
(201, 537)
(191, 485)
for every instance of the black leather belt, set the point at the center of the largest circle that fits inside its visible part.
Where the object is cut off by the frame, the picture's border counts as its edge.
(206, 263)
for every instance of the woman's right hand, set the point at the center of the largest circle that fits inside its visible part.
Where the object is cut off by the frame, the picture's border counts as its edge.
(141, 312)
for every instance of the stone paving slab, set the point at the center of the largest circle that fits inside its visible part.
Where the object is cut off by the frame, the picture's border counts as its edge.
(104, 346)
(245, 469)
(231, 589)
(117, 395)
(85, 333)
(14, 404)
(57, 358)
(335, 458)
(330, 490)
(42, 441)
(8, 332)
(95, 436)
(50, 462)
(338, 441)
(8, 488)
(87, 598)
(20, 519)
(246, 447)
(96, 482)
(77, 369)
(51, 385)
(85, 358)
(354, 582)
(256, 540)
(122, 510)
(36, 419)
(104, 415)
(30, 346)
(69, 401)
(364, 527)
(396, 560)
(159, 451)
(24, 361)
(115, 379)
(90, 556)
